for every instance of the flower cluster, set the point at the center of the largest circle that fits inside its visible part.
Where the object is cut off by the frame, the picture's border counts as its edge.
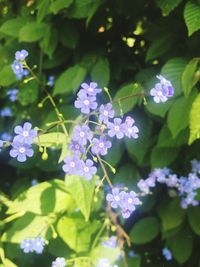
(167, 254)
(162, 90)
(33, 245)
(126, 201)
(59, 262)
(22, 142)
(17, 66)
(186, 187)
(12, 94)
(92, 137)
(103, 262)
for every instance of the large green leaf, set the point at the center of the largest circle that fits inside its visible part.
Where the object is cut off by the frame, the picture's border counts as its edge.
(173, 71)
(194, 219)
(69, 35)
(49, 42)
(110, 253)
(70, 80)
(7, 76)
(161, 157)
(171, 214)
(42, 199)
(12, 26)
(189, 79)
(159, 109)
(178, 116)
(195, 120)
(43, 9)
(167, 5)
(145, 230)
(192, 17)
(32, 31)
(28, 93)
(101, 72)
(58, 5)
(82, 192)
(181, 245)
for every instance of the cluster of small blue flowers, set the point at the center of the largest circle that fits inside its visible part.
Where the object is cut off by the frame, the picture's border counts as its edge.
(167, 254)
(162, 90)
(105, 263)
(186, 186)
(95, 141)
(12, 94)
(17, 66)
(22, 142)
(126, 201)
(59, 262)
(33, 245)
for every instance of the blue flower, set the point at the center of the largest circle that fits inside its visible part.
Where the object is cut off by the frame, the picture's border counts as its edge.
(100, 146)
(167, 254)
(21, 55)
(25, 133)
(81, 134)
(1, 144)
(162, 90)
(12, 93)
(38, 245)
(21, 151)
(90, 89)
(72, 165)
(85, 103)
(27, 245)
(6, 112)
(111, 242)
(51, 80)
(59, 262)
(106, 112)
(17, 67)
(116, 128)
(6, 137)
(87, 169)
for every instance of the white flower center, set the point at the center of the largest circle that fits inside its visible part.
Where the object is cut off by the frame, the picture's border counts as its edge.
(130, 200)
(159, 93)
(86, 102)
(101, 144)
(117, 198)
(130, 130)
(86, 169)
(105, 113)
(72, 164)
(116, 128)
(16, 67)
(25, 134)
(22, 150)
(90, 89)
(82, 134)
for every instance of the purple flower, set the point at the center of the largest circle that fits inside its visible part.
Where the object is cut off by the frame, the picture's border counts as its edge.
(195, 166)
(27, 245)
(103, 263)
(157, 93)
(85, 102)
(1, 144)
(87, 169)
(167, 254)
(126, 213)
(72, 164)
(90, 89)
(82, 134)
(24, 133)
(116, 129)
(76, 147)
(6, 137)
(59, 262)
(172, 180)
(21, 55)
(17, 67)
(115, 198)
(129, 129)
(100, 146)
(143, 186)
(21, 151)
(6, 112)
(12, 93)
(38, 245)
(111, 242)
(129, 201)
(51, 80)
(168, 89)
(106, 112)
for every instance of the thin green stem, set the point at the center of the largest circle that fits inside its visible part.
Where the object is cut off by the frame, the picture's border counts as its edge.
(103, 227)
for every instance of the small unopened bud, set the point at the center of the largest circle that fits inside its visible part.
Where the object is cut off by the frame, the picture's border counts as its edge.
(41, 149)
(113, 228)
(44, 155)
(95, 199)
(40, 105)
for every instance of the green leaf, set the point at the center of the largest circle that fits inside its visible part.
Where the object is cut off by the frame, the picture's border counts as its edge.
(171, 214)
(138, 148)
(125, 103)
(55, 139)
(28, 225)
(57, 5)
(195, 120)
(115, 154)
(159, 47)
(109, 253)
(101, 72)
(194, 219)
(32, 31)
(7, 77)
(161, 157)
(82, 192)
(145, 230)
(69, 35)
(49, 42)
(173, 71)
(81, 8)
(192, 17)
(28, 93)
(43, 9)
(181, 245)
(165, 138)
(178, 116)
(159, 109)
(189, 79)
(167, 5)
(70, 80)
(42, 199)
(12, 26)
